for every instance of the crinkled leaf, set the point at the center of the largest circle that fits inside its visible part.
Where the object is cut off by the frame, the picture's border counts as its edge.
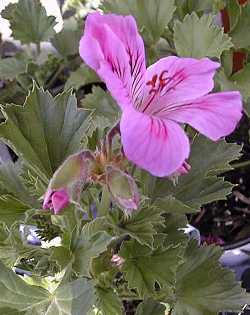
(144, 267)
(152, 16)
(108, 302)
(218, 156)
(240, 37)
(174, 229)
(87, 249)
(29, 22)
(188, 6)
(66, 42)
(224, 82)
(172, 205)
(12, 246)
(150, 307)
(73, 298)
(102, 104)
(11, 67)
(82, 76)
(201, 185)
(16, 294)
(203, 287)
(42, 131)
(99, 224)
(200, 37)
(61, 255)
(9, 311)
(141, 224)
(12, 183)
(234, 12)
(11, 209)
(242, 80)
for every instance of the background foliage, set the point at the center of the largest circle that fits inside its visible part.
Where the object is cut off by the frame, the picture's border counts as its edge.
(52, 106)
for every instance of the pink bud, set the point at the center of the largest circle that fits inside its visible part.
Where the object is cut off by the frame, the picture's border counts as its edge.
(65, 181)
(117, 260)
(56, 200)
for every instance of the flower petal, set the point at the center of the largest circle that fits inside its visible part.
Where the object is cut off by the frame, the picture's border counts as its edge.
(173, 80)
(112, 46)
(156, 145)
(215, 115)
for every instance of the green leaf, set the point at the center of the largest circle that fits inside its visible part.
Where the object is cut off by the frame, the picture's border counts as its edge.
(174, 229)
(242, 80)
(82, 76)
(172, 205)
(12, 182)
(141, 224)
(224, 82)
(100, 224)
(29, 22)
(150, 307)
(196, 5)
(11, 67)
(108, 302)
(152, 16)
(218, 156)
(11, 244)
(16, 294)
(67, 41)
(203, 287)
(144, 267)
(241, 38)
(102, 104)
(201, 185)
(42, 131)
(200, 37)
(61, 255)
(234, 12)
(73, 298)
(87, 249)
(11, 209)
(9, 311)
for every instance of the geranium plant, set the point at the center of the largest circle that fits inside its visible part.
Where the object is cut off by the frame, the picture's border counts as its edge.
(115, 137)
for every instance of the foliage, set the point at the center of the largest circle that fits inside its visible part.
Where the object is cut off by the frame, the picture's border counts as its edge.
(94, 255)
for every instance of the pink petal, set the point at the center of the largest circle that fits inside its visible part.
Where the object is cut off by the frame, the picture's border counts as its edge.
(156, 145)
(60, 200)
(47, 199)
(215, 115)
(112, 46)
(176, 80)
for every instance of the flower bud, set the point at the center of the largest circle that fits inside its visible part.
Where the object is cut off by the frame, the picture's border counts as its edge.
(117, 260)
(75, 169)
(122, 188)
(56, 200)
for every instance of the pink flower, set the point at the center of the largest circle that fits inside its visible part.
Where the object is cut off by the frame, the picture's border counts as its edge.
(56, 200)
(154, 100)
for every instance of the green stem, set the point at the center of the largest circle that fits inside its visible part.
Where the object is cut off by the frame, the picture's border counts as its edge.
(241, 164)
(54, 77)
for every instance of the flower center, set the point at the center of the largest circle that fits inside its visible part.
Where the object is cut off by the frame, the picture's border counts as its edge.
(161, 85)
